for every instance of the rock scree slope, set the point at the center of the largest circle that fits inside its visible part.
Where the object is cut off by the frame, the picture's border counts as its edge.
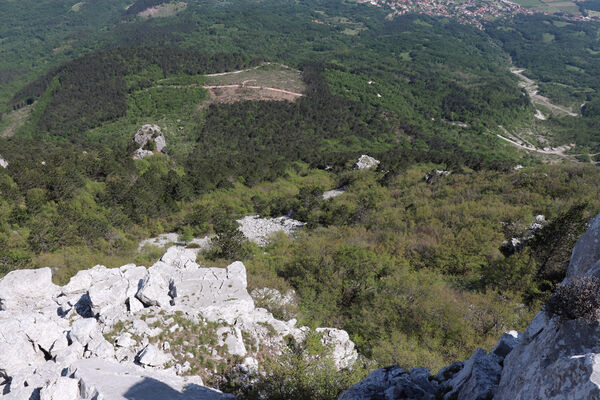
(113, 333)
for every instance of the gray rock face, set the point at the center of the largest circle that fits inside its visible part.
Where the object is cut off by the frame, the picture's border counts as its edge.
(585, 260)
(477, 380)
(393, 383)
(366, 162)
(557, 360)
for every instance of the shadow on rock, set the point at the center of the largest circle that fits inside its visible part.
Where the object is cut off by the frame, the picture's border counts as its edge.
(152, 389)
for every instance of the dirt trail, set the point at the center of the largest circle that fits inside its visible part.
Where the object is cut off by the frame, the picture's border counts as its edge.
(255, 87)
(532, 90)
(209, 87)
(558, 151)
(246, 70)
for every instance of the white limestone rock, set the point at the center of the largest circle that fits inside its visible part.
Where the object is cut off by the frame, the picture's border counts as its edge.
(84, 330)
(232, 337)
(260, 230)
(16, 350)
(180, 257)
(154, 289)
(432, 176)
(3, 162)
(366, 162)
(333, 193)
(151, 356)
(343, 352)
(62, 388)
(27, 289)
(134, 305)
(217, 294)
(249, 366)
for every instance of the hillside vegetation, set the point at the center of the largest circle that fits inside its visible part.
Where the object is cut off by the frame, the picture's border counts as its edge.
(418, 271)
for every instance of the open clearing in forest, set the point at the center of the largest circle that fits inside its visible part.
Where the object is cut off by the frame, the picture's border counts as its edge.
(163, 10)
(233, 93)
(268, 75)
(13, 120)
(269, 81)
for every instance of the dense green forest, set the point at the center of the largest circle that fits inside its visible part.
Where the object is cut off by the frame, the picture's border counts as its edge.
(415, 92)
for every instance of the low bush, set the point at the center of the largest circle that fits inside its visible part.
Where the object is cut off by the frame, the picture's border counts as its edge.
(579, 298)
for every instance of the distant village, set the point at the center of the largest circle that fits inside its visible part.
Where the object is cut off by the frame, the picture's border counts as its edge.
(471, 12)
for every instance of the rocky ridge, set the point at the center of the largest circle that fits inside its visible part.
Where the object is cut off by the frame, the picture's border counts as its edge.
(553, 359)
(137, 332)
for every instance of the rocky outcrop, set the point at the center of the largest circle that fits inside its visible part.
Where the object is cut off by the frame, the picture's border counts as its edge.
(136, 332)
(517, 243)
(556, 358)
(259, 230)
(150, 140)
(433, 176)
(366, 162)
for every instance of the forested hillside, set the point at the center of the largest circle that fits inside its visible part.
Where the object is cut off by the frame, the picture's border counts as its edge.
(266, 105)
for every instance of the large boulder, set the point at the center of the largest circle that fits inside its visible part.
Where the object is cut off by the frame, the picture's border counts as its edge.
(27, 289)
(217, 294)
(154, 289)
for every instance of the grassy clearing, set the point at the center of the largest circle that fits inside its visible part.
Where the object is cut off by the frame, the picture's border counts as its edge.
(11, 121)
(163, 10)
(267, 75)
